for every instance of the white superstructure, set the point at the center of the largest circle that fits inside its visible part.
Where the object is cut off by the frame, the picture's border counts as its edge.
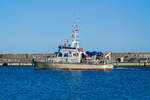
(70, 52)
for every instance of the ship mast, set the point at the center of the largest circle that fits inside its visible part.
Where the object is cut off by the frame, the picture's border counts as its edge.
(75, 42)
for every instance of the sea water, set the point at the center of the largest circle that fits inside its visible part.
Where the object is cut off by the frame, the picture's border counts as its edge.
(25, 83)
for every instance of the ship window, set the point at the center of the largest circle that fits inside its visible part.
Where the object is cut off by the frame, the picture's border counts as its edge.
(60, 55)
(65, 54)
(74, 54)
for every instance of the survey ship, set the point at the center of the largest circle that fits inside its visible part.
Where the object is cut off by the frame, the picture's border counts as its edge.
(71, 57)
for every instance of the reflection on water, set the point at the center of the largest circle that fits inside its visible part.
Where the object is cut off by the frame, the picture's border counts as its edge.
(25, 83)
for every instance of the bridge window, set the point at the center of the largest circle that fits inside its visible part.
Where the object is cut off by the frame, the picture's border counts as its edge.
(60, 55)
(65, 54)
(74, 54)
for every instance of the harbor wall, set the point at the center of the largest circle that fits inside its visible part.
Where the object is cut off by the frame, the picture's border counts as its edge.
(23, 56)
(122, 59)
(20, 59)
(131, 57)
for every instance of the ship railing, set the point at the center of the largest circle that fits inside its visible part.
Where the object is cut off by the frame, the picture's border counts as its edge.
(72, 61)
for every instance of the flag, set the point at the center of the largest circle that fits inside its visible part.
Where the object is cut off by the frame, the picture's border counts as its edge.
(73, 35)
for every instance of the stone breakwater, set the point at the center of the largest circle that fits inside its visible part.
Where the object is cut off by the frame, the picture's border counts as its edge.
(119, 59)
(131, 57)
(20, 59)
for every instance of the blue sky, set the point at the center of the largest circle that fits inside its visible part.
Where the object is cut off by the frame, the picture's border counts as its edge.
(38, 26)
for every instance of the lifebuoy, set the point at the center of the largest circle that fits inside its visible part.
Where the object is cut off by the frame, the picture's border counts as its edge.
(70, 52)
